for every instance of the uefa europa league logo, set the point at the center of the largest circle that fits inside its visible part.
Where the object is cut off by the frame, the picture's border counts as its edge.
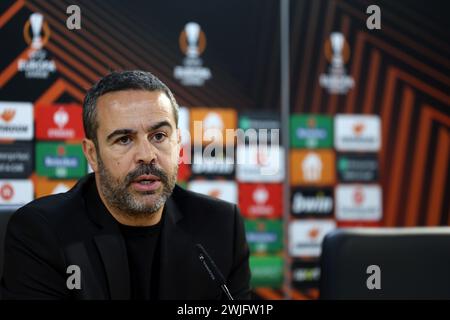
(337, 52)
(337, 45)
(36, 34)
(192, 30)
(36, 20)
(192, 42)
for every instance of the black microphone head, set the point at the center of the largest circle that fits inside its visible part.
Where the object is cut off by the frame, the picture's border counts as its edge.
(210, 265)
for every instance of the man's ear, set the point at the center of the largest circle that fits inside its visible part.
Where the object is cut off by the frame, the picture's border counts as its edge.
(179, 147)
(90, 152)
(179, 136)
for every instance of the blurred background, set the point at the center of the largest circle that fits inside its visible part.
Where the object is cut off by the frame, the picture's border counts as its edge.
(365, 141)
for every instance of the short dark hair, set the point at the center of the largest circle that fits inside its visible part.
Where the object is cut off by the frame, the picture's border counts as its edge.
(118, 81)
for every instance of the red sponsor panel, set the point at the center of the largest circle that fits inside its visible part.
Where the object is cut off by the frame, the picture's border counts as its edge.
(261, 200)
(59, 122)
(184, 166)
(358, 224)
(184, 172)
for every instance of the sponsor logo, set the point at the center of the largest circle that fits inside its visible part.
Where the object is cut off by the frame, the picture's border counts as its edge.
(311, 131)
(261, 200)
(260, 163)
(38, 25)
(264, 125)
(224, 190)
(7, 115)
(192, 43)
(56, 160)
(317, 202)
(305, 236)
(217, 162)
(45, 187)
(209, 125)
(358, 202)
(61, 161)
(267, 271)
(357, 168)
(337, 52)
(16, 120)
(59, 122)
(16, 160)
(264, 235)
(15, 192)
(357, 132)
(312, 167)
(6, 192)
(37, 65)
(305, 274)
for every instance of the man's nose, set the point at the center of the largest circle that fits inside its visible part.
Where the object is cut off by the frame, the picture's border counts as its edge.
(145, 152)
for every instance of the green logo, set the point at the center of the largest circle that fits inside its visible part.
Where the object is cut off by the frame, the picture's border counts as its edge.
(311, 131)
(267, 271)
(264, 236)
(244, 123)
(60, 160)
(343, 164)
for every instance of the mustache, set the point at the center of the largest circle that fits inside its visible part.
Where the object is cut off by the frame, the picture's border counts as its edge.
(145, 169)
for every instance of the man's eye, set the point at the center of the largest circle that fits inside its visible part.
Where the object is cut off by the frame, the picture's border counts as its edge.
(124, 140)
(159, 137)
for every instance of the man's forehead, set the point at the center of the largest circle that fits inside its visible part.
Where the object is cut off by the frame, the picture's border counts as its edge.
(126, 98)
(121, 106)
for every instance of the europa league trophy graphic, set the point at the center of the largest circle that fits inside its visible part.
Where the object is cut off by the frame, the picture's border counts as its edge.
(36, 20)
(336, 50)
(192, 30)
(36, 64)
(192, 41)
(337, 45)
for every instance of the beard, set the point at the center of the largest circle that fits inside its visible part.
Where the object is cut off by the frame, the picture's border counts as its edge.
(118, 193)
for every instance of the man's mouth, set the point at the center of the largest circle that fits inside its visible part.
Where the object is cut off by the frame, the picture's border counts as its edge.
(146, 183)
(146, 179)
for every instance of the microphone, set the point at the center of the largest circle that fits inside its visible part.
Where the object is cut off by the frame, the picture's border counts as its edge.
(213, 270)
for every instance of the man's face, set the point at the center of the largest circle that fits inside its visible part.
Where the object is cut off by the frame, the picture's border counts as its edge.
(138, 150)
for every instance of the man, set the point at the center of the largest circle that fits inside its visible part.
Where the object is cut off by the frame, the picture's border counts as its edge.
(126, 230)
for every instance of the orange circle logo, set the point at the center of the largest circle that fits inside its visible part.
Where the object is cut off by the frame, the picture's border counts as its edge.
(6, 192)
(329, 51)
(45, 33)
(183, 42)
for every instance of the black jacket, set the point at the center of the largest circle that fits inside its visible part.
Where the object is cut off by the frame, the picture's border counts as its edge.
(47, 235)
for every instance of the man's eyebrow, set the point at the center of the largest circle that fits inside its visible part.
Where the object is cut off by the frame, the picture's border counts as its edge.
(120, 132)
(153, 127)
(160, 124)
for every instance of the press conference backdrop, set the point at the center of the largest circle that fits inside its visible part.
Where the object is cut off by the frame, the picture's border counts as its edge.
(369, 124)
